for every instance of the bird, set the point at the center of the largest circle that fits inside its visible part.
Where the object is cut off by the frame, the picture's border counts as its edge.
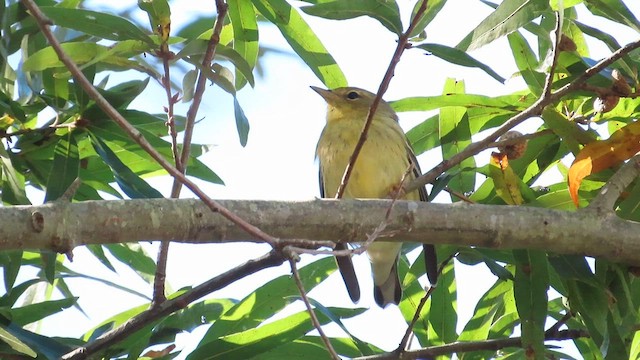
(384, 159)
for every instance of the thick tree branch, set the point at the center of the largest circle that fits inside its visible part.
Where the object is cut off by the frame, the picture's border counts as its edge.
(59, 226)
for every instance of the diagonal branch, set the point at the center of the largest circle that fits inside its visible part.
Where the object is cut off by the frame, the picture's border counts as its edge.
(463, 347)
(534, 110)
(611, 191)
(136, 323)
(403, 41)
(104, 105)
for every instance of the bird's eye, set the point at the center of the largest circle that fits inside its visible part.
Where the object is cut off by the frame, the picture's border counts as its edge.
(352, 95)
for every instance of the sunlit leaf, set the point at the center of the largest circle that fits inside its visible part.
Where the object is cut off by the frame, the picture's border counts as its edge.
(530, 290)
(95, 23)
(599, 155)
(507, 18)
(386, 12)
(303, 41)
(506, 181)
(459, 57)
(66, 163)
(245, 36)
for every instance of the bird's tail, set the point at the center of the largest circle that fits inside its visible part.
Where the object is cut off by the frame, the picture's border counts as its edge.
(345, 266)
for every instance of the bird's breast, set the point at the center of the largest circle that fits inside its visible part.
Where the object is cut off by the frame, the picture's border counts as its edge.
(379, 168)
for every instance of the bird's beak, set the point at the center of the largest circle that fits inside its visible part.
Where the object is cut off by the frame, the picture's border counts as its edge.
(327, 95)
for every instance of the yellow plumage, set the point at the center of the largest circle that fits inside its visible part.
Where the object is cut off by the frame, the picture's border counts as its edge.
(383, 161)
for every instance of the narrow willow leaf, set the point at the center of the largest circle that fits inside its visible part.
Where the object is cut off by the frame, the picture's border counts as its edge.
(95, 23)
(459, 57)
(65, 167)
(129, 182)
(302, 40)
(245, 36)
(256, 341)
(507, 18)
(526, 61)
(268, 300)
(242, 123)
(614, 10)
(385, 11)
(454, 137)
(530, 290)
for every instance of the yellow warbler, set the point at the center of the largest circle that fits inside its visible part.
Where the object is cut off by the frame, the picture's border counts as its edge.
(381, 164)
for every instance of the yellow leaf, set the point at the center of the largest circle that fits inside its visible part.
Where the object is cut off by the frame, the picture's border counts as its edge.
(505, 180)
(599, 155)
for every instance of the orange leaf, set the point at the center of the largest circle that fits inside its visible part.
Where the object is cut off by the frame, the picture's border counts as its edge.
(505, 180)
(599, 155)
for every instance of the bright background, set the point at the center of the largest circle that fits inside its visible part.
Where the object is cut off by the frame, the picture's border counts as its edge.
(278, 163)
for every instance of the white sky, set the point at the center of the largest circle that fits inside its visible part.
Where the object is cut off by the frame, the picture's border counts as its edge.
(286, 118)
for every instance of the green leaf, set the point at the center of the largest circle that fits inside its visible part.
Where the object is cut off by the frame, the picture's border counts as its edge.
(490, 305)
(363, 347)
(134, 256)
(129, 182)
(614, 10)
(530, 290)
(65, 167)
(159, 13)
(443, 316)
(256, 341)
(433, 8)
(312, 348)
(268, 300)
(454, 137)
(48, 347)
(385, 11)
(10, 261)
(526, 61)
(507, 18)
(425, 136)
(242, 123)
(95, 23)
(199, 46)
(459, 57)
(303, 41)
(245, 36)
(13, 183)
(15, 343)
(571, 134)
(28, 314)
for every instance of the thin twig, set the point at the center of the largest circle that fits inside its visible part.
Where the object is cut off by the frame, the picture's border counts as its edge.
(105, 106)
(546, 92)
(163, 251)
(459, 195)
(303, 294)
(140, 321)
(518, 139)
(470, 346)
(611, 191)
(403, 40)
(534, 110)
(209, 54)
(407, 335)
(555, 328)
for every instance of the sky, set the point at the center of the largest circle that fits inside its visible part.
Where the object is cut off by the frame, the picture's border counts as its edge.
(286, 119)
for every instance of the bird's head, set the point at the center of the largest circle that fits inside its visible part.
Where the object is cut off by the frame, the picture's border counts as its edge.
(352, 103)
